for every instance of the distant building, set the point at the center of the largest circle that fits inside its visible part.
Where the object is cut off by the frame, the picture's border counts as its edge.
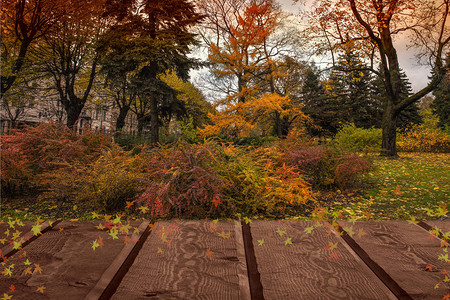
(95, 117)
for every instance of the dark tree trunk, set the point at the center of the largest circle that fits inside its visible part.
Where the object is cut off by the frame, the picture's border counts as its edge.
(389, 131)
(154, 122)
(120, 122)
(285, 126)
(73, 114)
(278, 125)
(141, 122)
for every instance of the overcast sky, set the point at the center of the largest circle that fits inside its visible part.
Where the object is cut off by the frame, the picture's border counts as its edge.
(418, 75)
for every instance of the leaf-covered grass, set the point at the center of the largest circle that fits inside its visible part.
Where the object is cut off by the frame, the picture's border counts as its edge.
(415, 185)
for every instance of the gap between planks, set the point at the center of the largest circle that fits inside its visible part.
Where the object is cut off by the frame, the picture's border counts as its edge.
(427, 228)
(254, 277)
(389, 286)
(112, 277)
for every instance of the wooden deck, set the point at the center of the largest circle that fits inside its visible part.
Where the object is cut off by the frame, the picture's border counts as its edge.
(225, 260)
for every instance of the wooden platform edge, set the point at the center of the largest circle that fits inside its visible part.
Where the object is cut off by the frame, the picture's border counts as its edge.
(244, 285)
(112, 277)
(389, 285)
(254, 277)
(428, 228)
(29, 237)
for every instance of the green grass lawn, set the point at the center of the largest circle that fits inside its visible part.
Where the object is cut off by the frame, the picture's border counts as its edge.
(415, 185)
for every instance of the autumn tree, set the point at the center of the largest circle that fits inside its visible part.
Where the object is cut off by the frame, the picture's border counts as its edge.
(377, 24)
(246, 48)
(69, 55)
(23, 24)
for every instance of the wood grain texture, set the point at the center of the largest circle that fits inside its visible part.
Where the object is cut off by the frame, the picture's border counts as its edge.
(305, 269)
(26, 238)
(7, 232)
(241, 265)
(404, 251)
(182, 269)
(70, 268)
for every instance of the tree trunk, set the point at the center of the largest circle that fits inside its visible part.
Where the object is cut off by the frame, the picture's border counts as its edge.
(278, 129)
(120, 122)
(141, 122)
(285, 126)
(154, 123)
(73, 114)
(389, 132)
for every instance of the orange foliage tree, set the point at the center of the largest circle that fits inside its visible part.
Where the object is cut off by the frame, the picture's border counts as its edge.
(243, 53)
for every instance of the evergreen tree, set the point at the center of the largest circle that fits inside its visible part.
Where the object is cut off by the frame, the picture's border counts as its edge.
(160, 38)
(349, 93)
(441, 104)
(408, 116)
(314, 99)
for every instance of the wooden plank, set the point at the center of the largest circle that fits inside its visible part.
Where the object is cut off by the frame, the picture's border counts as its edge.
(406, 252)
(186, 260)
(241, 265)
(7, 232)
(308, 268)
(112, 277)
(27, 238)
(70, 267)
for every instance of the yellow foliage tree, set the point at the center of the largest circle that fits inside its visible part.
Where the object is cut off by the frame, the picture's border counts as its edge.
(246, 57)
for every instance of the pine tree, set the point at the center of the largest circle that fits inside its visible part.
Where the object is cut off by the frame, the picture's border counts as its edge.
(160, 37)
(314, 98)
(410, 115)
(441, 104)
(349, 93)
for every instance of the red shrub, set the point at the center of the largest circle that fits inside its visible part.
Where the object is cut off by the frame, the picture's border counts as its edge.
(315, 162)
(183, 183)
(35, 150)
(348, 168)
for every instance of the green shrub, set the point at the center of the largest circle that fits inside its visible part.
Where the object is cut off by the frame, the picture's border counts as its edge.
(352, 138)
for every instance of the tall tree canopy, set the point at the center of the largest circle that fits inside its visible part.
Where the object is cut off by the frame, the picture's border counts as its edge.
(247, 45)
(24, 23)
